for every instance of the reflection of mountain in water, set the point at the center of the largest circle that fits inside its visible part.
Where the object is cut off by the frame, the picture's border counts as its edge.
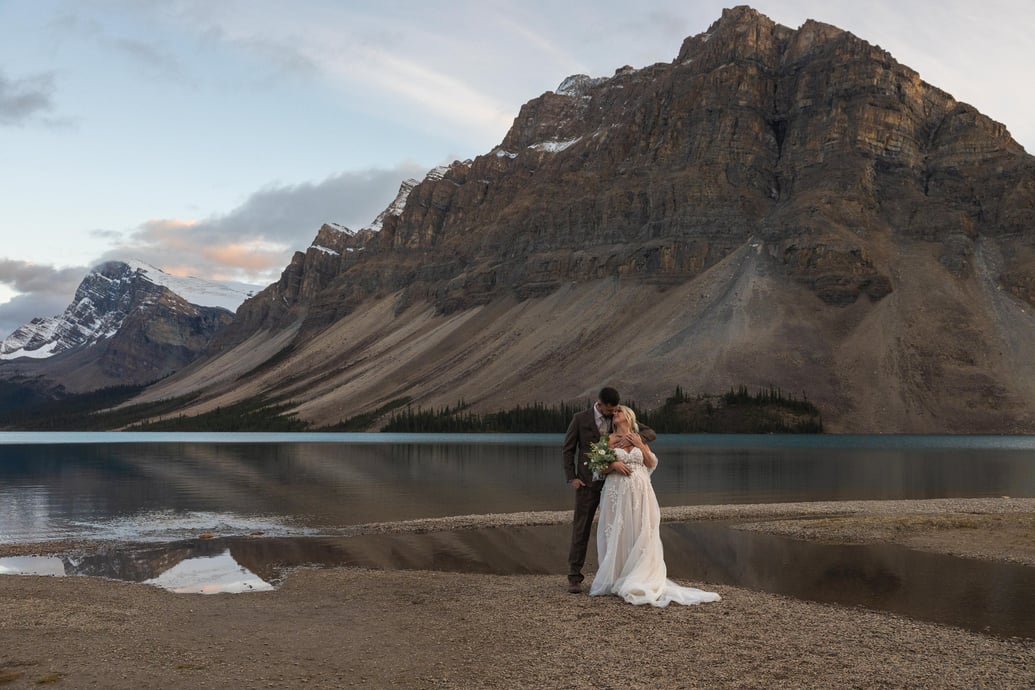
(326, 484)
(169, 490)
(210, 575)
(201, 565)
(141, 563)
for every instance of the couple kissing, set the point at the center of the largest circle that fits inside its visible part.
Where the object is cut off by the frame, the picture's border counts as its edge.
(616, 477)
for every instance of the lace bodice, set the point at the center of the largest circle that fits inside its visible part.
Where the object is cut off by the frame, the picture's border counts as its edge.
(629, 457)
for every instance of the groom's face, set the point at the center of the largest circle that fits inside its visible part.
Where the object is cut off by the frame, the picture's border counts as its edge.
(605, 409)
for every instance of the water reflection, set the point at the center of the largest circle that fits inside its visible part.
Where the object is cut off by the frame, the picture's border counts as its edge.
(60, 490)
(32, 565)
(985, 596)
(210, 575)
(194, 567)
(981, 595)
(45, 489)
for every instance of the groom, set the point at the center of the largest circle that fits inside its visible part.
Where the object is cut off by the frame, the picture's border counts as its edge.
(585, 429)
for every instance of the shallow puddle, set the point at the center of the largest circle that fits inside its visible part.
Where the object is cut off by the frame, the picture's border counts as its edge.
(986, 596)
(195, 567)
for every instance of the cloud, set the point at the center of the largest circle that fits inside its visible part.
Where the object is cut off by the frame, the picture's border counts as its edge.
(401, 70)
(251, 243)
(433, 92)
(22, 309)
(255, 241)
(24, 276)
(46, 291)
(26, 100)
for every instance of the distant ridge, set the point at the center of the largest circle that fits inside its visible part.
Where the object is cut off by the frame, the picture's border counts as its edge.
(93, 315)
(129, 324)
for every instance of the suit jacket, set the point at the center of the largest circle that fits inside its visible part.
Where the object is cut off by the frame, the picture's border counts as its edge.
(582, 433)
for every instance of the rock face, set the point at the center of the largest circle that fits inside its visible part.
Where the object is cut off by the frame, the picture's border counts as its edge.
(122, 328)
(825, 221)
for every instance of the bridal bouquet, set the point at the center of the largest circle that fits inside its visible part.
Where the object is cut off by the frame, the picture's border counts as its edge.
(600, 456)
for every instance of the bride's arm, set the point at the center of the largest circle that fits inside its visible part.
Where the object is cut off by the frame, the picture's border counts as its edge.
(650, 460)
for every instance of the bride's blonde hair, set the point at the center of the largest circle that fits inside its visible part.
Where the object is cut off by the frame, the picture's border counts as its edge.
(631, 416)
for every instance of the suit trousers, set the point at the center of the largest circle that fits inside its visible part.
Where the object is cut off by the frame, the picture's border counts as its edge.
(587, 499)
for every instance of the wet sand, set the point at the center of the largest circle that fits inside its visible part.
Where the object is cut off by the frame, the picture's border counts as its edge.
(350, 627)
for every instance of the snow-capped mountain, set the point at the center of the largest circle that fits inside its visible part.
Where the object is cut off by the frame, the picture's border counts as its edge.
(104, 300)
(200, 291)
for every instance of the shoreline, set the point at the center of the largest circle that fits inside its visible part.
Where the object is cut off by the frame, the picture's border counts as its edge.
(352, 627)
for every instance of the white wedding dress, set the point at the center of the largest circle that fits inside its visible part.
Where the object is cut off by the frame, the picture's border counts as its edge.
(632, 561)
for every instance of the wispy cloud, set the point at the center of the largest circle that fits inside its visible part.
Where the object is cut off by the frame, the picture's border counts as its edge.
(405, 71)
(435, 93)
(26, 100)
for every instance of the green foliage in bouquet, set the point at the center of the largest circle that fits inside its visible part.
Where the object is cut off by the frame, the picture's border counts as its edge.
(600, 455)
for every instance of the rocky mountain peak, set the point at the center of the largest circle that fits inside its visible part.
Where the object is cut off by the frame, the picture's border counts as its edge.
(741, 33)
(792, 206)
(751, 125)
(128, 322)
(398, 204)
(98, 309)
(578, 84)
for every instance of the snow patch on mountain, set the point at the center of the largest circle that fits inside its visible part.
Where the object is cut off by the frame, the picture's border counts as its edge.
(554, 146)
(40, 329)
(200, 291)
(578, 84)
(396, 207)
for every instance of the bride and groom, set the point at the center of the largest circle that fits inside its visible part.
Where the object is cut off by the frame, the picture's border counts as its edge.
(632, 563)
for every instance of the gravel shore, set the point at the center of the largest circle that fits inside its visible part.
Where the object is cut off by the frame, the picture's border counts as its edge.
(417, 629)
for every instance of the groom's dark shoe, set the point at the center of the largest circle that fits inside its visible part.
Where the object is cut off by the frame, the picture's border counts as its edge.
(575, 587)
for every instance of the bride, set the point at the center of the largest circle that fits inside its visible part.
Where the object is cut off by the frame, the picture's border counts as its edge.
(632, 562)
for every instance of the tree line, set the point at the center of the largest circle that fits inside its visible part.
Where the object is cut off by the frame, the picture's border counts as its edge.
(768, 410)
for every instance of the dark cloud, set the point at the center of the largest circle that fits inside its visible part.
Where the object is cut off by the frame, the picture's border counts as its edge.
(254, 241)
(26, 277)
(24, 308)
(288, 212)
(26, 100)
(46, 292)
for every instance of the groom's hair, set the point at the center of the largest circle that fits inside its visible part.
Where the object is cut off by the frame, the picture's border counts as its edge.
(609, 396)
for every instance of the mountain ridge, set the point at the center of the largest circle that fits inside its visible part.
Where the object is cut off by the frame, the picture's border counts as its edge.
(776, 206)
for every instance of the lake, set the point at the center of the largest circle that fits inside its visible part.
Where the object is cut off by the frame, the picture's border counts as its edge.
(165, 486)
(274, 502)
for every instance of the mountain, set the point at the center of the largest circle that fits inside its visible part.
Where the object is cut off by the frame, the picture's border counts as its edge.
(129, 323)
(776, 206)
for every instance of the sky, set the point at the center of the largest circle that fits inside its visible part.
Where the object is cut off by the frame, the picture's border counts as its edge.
(214, 137)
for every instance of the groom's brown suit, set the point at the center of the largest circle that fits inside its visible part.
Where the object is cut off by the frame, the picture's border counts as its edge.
(582, 433)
